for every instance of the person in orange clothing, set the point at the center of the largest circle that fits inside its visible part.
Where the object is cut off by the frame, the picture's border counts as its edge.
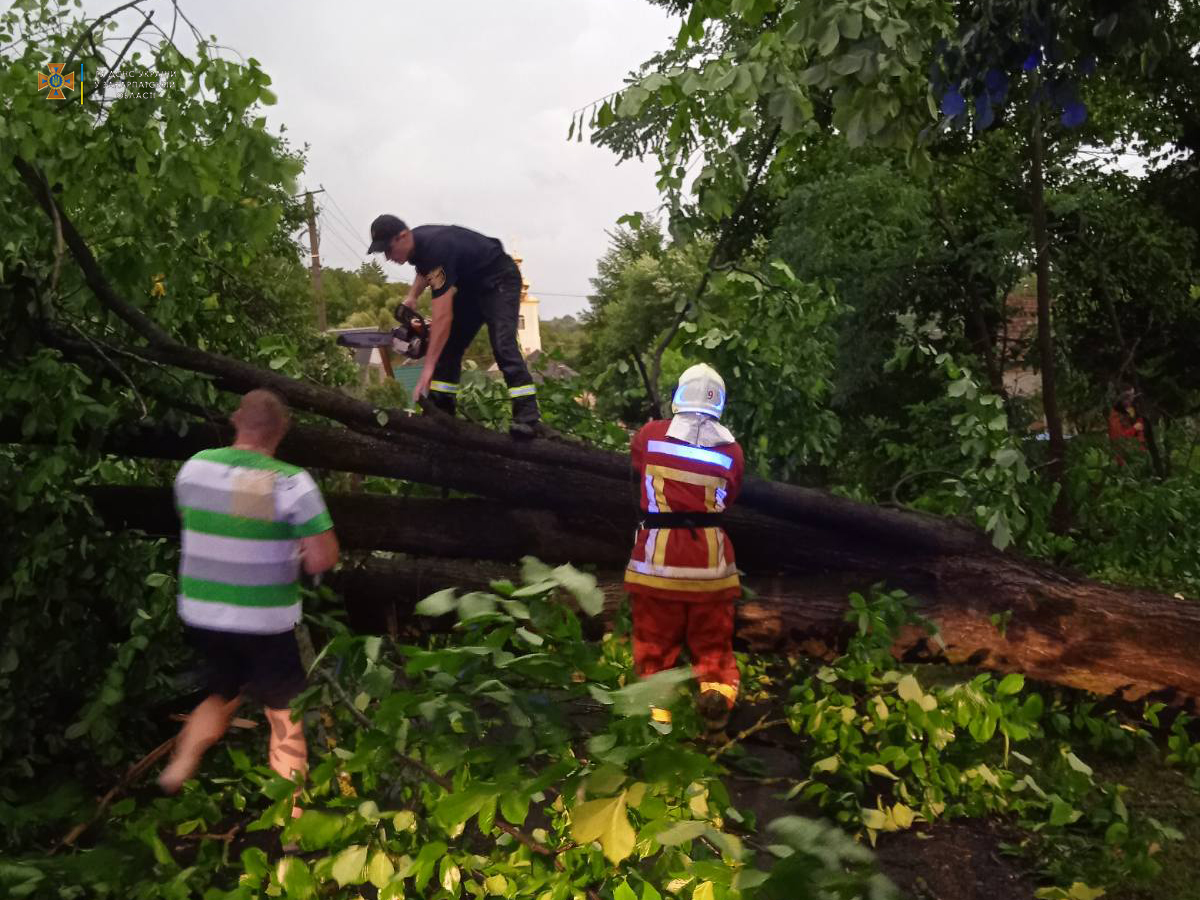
(682, 577)
(1125, 424)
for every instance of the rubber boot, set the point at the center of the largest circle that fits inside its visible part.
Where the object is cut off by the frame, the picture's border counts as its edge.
(714, 710)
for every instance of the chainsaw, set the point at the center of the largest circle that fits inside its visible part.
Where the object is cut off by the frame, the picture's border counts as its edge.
(411, 339)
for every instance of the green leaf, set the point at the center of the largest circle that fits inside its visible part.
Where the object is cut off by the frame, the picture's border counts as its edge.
(632, 100)
(624, 892)
(680, 832)
(451, 876)
(348, 865)
(848, 64)
(828, 764)
(255, 863)
(909, 688)
(1012, 683)
(850, 25)
(1078, 764)
(536, 639)
(1006, 457)
(705, 891)
(1116, 834)
(514, 806)
(814, 74)
(455, 808)
(582, 586)
(295, 878)
(829, 40)
(437, 604)
(476, 603)
(497, 885)
(1106, 26)
(315, 830)
(425, 862)
(1063, 813)
(380, 870)
(606, 821)
(658, 690)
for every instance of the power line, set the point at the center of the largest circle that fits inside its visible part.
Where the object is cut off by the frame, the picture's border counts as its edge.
(330, 229)
(341, 212)
(335, 228)
(336, 223)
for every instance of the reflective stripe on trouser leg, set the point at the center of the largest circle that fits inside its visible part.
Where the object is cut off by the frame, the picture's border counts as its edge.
(523, 390)
(443, 387)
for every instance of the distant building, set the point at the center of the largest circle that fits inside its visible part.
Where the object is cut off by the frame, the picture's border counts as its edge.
(1020, 380)
(529, 329)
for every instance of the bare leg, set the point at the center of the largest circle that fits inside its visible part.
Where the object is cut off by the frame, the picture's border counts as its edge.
(203, 728)
(289, 751)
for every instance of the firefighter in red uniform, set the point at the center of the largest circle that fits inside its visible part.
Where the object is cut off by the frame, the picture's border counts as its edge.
(681, 576)
(1125, 424)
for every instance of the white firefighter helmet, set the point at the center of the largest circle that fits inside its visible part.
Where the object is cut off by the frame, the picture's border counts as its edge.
(700, 390)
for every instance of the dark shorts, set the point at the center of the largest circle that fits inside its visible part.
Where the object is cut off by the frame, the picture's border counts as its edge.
(264, 666)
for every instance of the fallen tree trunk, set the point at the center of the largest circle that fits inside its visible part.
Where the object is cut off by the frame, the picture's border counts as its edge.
(468, 528)
(1058, 629)
(599, 509)
(1075, 631)
(1083, 636)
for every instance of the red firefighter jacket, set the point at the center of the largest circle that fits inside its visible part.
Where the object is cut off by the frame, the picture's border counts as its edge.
(695, 564)
(1123, 424)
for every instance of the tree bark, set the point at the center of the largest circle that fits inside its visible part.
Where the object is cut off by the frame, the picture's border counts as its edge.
(782, 524)
(1055, 628)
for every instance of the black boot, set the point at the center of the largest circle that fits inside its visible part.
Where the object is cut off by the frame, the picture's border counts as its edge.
(714, 710)
(443, 401)
(526, 420)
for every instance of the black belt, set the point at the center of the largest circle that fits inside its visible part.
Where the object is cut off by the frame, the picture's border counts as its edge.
(680, 520)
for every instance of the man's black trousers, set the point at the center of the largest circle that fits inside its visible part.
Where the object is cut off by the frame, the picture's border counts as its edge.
(493, 299)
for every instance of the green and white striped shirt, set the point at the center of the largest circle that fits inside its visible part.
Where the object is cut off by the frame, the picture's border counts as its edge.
(243, 516)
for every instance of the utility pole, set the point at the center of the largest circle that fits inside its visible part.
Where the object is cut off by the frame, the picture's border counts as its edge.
(314, 246)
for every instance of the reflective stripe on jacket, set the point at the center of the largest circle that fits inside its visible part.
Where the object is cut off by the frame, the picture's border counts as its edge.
(683, 563)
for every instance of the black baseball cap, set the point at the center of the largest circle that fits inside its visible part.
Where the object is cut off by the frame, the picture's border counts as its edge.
(383, 229)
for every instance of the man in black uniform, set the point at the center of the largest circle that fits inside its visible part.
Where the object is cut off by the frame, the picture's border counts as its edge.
(473, 282)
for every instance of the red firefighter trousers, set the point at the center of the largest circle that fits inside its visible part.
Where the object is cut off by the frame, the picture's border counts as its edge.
(661, 627)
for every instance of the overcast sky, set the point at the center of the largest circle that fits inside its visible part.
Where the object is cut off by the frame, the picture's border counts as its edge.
(452, 112)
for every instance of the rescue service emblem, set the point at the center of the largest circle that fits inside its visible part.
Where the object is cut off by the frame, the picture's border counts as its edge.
(437, 278)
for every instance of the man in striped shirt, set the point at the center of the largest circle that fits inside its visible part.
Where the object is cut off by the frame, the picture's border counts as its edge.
(249, 523)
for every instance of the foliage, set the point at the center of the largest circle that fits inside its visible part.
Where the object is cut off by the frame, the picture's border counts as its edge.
(361, 298)
(772, 337)
(563, 336)
(642, 283)
(187, 201)
(565, 405)
(511, 759)
(991, 474)
(742, 70)
(886, 752)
